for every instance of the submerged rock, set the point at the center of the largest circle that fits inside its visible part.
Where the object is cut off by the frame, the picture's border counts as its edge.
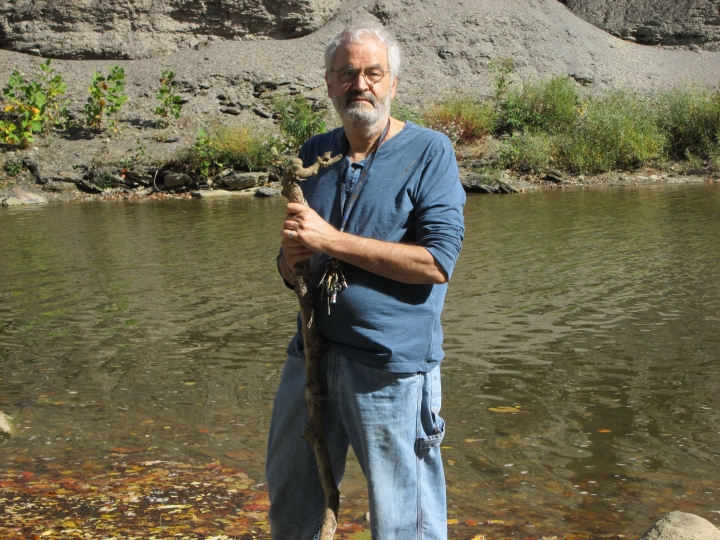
(6, 424)
(682, 526)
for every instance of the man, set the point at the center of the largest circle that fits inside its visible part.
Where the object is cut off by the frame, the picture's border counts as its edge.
(390, 213)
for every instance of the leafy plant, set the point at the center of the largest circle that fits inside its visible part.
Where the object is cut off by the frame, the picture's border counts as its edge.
(240, 147)
(107, 95)
(170, 106)
(503, 69)
(25, 102)
(54, 88)
(298, 120)
(462, 119)
(104, 181)
(403, 112)
(13, 168)
(551, 105)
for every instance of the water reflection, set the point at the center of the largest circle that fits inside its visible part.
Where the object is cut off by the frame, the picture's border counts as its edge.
(163, 326)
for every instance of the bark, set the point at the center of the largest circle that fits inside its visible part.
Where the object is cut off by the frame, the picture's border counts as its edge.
(314, 348)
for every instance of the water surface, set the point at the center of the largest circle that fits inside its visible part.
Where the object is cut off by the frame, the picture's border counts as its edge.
(161, 327)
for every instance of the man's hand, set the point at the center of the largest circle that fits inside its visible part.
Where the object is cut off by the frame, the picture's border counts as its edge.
(305, 232)
(305, 227)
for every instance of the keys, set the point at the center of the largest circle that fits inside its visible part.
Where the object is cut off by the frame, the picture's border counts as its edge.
(333, 281)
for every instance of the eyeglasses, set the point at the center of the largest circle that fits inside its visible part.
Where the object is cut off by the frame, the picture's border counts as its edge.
(372, 75)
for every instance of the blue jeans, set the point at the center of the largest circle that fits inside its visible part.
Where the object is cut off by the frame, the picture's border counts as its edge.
(392, 422)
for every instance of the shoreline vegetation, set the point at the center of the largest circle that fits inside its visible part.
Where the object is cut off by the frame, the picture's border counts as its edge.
(544, 133)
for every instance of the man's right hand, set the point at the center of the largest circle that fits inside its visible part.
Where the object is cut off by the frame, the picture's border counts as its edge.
(293, 252)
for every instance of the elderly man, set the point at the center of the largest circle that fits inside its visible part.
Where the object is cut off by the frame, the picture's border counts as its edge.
(388, 218)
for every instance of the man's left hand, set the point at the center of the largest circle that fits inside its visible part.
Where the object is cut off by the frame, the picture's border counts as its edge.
(304, 225)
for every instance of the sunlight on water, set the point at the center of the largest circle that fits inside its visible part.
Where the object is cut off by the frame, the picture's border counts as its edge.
(161, 327)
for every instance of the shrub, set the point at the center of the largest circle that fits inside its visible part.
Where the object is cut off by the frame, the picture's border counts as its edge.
(618, 131)
(691, 120)
(404, 113)
(169, 101)
(54, 88)
(107, 95)
(25, 104)
(552, 105)
(240, 147)
(530, 151)
(462, 119)
(298, 121)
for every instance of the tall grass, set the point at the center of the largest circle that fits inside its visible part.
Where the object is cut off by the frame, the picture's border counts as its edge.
(552, 105)
(618, 131)
(463, 119)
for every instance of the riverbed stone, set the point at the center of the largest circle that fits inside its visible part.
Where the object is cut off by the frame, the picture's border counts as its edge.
(236, 181)
(19, 196)
(266, 192)
(54, 186)
(682, 526)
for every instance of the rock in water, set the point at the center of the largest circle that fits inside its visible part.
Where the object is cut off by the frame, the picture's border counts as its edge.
(682, 526)
(19, 196)
(6, 425)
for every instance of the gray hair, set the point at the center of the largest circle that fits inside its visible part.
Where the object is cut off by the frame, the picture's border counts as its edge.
(355, 33)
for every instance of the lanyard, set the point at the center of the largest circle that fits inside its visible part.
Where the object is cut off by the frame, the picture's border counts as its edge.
(350, 202)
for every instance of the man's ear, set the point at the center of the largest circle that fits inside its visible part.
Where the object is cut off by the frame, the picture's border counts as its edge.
(327, 83)
(393, 88)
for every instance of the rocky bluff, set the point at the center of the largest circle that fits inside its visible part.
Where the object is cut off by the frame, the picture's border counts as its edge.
(134, 29)
(131, 29)
(655, 22)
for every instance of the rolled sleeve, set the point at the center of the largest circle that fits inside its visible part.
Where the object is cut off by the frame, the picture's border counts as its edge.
(439, 226)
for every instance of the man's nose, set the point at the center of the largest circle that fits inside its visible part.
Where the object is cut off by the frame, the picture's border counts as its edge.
(360, 83)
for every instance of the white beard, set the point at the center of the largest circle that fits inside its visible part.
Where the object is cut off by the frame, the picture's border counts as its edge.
(365, 120)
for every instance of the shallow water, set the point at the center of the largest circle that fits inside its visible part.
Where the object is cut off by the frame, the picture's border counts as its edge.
(159, 327)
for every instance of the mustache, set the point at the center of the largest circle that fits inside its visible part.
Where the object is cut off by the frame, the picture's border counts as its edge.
(357, 94)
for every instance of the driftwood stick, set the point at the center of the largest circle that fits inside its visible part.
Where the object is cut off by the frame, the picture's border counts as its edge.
(314, 348)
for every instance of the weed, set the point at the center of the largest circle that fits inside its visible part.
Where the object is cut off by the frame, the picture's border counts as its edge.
(25, 101)
(552, 105)
(503, 69)
(104, 181)
(691, 119)
(56, 105)
(107, 95)
(405, 113)
(618, 131)
(298, 121)
(530, 151)
(462, 119)
(240, 147)
(169, 101)
(13, 168)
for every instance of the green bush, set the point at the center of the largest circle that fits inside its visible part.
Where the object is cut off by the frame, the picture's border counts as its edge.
(240, 147)
(618, 131)
(691, 120)
(25, 103)
(107, 95)
(298, 121)
(531, 151)
(552, 105)
(461, 118)
(170, 106)
(404, 113)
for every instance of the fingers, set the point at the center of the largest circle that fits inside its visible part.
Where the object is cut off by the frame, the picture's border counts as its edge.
(294, 208)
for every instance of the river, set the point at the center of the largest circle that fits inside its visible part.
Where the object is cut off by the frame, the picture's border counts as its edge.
(156, 330)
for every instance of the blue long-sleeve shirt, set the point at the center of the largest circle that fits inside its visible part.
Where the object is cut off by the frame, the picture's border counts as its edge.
(412, 195)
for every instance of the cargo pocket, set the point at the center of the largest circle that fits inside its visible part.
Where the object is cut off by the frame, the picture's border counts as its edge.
(431, 428)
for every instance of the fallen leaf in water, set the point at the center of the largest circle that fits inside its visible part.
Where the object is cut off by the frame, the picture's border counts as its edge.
(452, 521)
(479, 537)
(127, 449)
(604, 431)
(471, 523)
(514, 409)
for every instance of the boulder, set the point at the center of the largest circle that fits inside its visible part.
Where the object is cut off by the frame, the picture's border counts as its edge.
(236, 181)
(655, 22)
(55, 186)
(87, 29)
(176, 181)
(19, 196)
(266, 192)
(682, 526)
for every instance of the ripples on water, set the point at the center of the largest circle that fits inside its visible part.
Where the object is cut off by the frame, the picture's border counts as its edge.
(163, 325)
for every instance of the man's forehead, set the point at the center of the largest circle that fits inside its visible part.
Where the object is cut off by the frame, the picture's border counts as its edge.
(369, 50)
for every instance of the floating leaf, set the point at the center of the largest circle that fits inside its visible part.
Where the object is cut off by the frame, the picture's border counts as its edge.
(452, 521)
(604, 431)
(515, 409)
(127, 449)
